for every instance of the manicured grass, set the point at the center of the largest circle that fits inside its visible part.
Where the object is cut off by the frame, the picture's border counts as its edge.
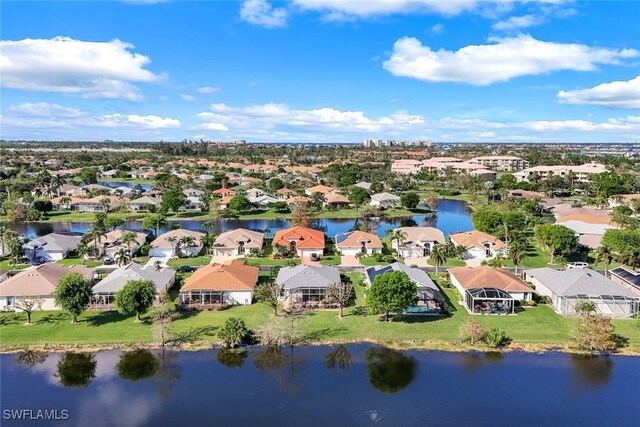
(74, 216)
(451, 262)
(537, 325)
(69, 262)
(369, 261)
(330, 260)
(269, 261)
(7, 265)
(195, 261)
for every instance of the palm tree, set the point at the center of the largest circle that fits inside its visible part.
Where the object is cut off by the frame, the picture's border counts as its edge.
(94, 233)
(630, 257)
(266, 231)
(65, 200)
(122, 257)
(187, 242)
(3, 231)
(439, 255)
(518, 252)
(127, 238)
(399, 236)
(173, 241)
(14, 245)
(207, 226)
(207, 241)
(603, 254)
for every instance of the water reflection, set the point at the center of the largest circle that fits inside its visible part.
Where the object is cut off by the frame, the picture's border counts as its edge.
(31, 358)
(472, 360)
(76, 369)
(390, 370)
(232, 357)
(167, 373)
(137, 365)
(283, 364)
(593, 371)
(339, 358)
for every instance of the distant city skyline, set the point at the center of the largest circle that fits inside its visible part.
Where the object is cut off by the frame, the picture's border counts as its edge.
(321, 71)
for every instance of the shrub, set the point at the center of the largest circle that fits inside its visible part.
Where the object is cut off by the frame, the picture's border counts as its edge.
(448, 192)
(144, 250)
(496, 337)
(389, 259)
(232, 332)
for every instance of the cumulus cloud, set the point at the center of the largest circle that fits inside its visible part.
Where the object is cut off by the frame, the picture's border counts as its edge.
(618, 94)
(208, 89)
(518, 22)
(66, 65)
(260, 12)
(501, 60)
(47, 119)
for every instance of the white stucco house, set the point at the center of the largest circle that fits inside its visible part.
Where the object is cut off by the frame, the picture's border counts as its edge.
(238, 242)
(169, 244)
(52, 246)
(358, 242)
(385, 200)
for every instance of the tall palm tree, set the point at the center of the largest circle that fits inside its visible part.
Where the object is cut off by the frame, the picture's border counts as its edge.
(518, 252)
(174, 246)
(122, 257)
(439, 255)
(65, 200)
(13, 244)
(94, 233)
(3, 231)
(266, 231)
(207, 226)
(399, 236)
(603, 254)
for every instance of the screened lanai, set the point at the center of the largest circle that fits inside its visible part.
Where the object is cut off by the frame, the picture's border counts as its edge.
(613, 306)
(489, 301)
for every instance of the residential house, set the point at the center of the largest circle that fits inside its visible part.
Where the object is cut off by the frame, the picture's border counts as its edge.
(385, 200)
(223, 203)
(110, 243)
(264, 201)
(88, 189)
(254, 193)
(224, 192)
(429, 296)
(52, 246)
(70, 190)
(336, 200)
(306, 284)
(111, 173)
(323, 189)
(568, 288)
(479, 245)
(168, 244)
(4, 275)
(589, 224)
(231, 283)
(144, 204)
(192, 203)
(37, 282)
(488, 290)
(284, 193)
(302, 241)
(626, 277)
(358, 242)
(364, 185)
(417, 242)
(104, 291)
(238, 242)
(193, 192)
(292, 202)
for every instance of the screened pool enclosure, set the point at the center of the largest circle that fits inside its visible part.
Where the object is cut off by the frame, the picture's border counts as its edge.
(489, 301)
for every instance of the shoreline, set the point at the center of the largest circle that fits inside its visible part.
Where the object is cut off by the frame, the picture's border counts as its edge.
(426, 345)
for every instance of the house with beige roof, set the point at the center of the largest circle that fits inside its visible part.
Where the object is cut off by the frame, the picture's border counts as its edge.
(489, 290)
(479, 245)
(589, 224)
(231, 283)
(52, 246)
(169, 244)
(238, 242)
(323, 189)
(358, 242)
(111, 243)
(385, 200)
(417, 242)
(37, 282)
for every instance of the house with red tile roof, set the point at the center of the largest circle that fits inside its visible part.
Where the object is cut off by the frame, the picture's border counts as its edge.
(302, 241)
(230, 283)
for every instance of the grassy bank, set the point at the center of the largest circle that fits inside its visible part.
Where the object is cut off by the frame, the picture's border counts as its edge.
(537, 327)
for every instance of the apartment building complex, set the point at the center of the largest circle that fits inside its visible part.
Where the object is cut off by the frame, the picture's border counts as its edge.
(582, 173)
(501, 163)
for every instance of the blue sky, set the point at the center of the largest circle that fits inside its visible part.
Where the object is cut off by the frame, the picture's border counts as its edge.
(321, 70)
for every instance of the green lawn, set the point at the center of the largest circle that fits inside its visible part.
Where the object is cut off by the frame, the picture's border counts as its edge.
(330, 260)
(7, 264)
(269, 261)
(451, 262)
(195, 261)
(69, 262)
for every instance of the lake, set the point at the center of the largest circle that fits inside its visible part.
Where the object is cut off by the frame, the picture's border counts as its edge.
(354, 385)
(451, 216)
(128, 184)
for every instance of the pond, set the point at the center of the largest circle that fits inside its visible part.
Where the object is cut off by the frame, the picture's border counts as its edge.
(116, 184)
(451, 216)
(353, 385)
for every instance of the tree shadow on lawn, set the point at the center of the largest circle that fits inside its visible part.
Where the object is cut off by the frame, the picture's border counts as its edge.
(417, 318)
(324, 333)
(100, 318)
(7, 319)
(54, 318)
(194, 334)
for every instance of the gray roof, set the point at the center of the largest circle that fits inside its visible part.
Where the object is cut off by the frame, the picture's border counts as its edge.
(578, 281)
(417, 276)
(307, 276)
(116, 280)
(55, 242)
(631, 277)
(379, 197)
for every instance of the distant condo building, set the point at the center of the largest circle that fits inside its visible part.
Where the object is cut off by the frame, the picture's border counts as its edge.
(501, 163)
(369, 143)
(583, 173)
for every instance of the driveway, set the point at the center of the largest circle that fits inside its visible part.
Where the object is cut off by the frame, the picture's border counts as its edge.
(421, 262)
(349, 261)
(307, 261)
(473, 262)
(221, 259)
(163, 261)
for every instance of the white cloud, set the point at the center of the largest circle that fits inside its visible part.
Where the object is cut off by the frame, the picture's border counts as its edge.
(618, 94)
(52, 119)
(260, 12)
(517, 22)
(189, 98)
(502, 60)
(66, 65)
(437, 28)
(208, 89)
